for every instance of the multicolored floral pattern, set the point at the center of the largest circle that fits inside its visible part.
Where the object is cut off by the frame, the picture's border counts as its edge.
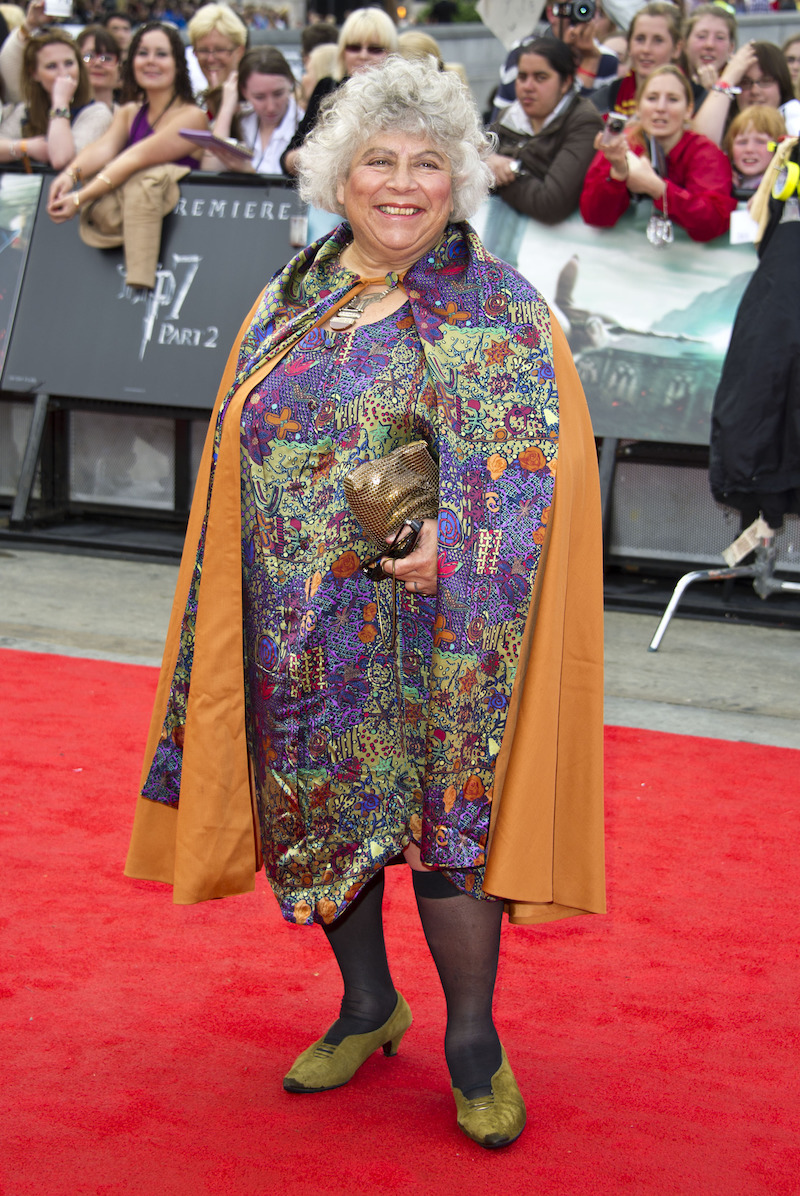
(358, 750)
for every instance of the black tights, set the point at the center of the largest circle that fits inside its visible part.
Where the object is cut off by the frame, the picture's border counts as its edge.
(463, 934)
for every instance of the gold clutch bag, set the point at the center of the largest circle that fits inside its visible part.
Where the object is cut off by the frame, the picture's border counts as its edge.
(400, 488)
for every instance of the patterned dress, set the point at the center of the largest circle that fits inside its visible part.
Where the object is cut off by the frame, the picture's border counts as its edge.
(356, 750)
(336, 720)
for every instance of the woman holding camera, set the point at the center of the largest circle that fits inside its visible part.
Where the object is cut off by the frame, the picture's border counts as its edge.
(691, 188)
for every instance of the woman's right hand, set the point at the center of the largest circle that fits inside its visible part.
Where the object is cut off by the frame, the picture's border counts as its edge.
(35, 16)
(614, 147)
(61, 185)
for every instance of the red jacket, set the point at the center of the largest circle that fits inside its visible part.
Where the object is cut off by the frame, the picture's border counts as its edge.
(698, 189)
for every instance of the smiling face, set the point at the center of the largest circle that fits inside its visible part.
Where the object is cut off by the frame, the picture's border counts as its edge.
(268, 96)
(750, 152)
(708, 44)
(154, 66)
(539, 87)
(663, 109)
(398, 198)
(218, 56)
(102, 67)
(52, 62)
(651, 45)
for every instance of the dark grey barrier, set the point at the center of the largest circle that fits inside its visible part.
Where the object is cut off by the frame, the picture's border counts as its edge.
(79, 331)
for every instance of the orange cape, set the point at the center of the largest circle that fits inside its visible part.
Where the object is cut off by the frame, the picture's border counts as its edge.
(545, 855)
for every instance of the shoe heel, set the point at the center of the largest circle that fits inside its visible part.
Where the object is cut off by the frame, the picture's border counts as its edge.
(391, 1048)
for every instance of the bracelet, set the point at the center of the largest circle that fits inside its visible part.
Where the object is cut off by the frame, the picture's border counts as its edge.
(62, 113)
(76, 199)
(726, 89)
(105, 179)
(13, 149)
(22, 147)
(74, 173)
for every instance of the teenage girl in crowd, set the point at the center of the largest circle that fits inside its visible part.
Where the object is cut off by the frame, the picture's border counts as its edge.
(654, 40)
(259, 109)
(756, 74)
(694, 188)
(709, 41)
(59, 116)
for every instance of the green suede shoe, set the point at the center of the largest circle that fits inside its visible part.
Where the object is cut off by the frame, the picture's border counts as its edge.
(497, 1119)
(324, 1066)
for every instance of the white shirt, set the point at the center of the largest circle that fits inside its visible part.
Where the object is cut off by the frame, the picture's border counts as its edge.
(790, 111)
(267, 158)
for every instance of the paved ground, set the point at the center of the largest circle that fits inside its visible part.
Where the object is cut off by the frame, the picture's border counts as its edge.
(723, 680)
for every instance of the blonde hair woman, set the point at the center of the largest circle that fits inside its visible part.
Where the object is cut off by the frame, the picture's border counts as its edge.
(366, 37)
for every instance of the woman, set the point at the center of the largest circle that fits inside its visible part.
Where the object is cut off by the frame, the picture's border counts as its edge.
(399, 327)
(218, 39)
(59, 116)
(654, 39)
(694, 187)
(750, 145)
(756, 74)
(415, 43)
(265, 85)
(320, 64)
(546, 138)
(102, 56)
(709, 39)
(140, 158)
(791, 52)
(365, 39)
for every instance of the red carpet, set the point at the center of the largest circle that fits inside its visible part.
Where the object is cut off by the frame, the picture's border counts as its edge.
(144, 1044)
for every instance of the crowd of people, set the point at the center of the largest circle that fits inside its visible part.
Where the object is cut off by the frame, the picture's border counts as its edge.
(587, 117)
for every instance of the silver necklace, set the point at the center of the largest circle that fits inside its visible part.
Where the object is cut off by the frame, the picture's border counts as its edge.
(346, 316)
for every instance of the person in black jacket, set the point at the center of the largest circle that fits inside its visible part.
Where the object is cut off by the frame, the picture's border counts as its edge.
(754, 461)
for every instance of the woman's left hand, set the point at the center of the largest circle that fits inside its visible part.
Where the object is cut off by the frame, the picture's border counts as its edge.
(642, 179)
(62, 207)
(501, 167)
(418, 570)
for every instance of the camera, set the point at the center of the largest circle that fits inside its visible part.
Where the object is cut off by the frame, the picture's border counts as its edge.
(616, 123)
(575, 13)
